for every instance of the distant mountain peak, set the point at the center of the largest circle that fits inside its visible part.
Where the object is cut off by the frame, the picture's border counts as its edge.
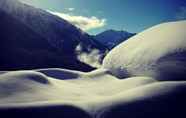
(112, 38)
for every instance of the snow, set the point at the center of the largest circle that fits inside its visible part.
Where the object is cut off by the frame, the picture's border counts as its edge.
(161, 47)
(34, 86)
(94, 94)
(61, 93)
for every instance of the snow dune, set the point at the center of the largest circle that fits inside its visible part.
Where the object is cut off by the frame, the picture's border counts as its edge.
(30, 92)
(32, 86)
(104, 96)
(142, 62)
(158, 52)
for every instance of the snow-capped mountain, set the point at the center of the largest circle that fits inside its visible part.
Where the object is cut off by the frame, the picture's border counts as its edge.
(34, 38)
(112, 38)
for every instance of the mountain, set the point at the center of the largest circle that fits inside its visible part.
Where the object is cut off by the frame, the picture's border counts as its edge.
(33, 38)
(112, 38)
(158, 52)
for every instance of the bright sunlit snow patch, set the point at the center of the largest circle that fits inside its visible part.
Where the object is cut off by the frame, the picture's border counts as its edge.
(157, 52)
(95, 93)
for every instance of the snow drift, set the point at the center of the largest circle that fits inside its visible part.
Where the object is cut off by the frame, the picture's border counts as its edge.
(94, 95)
(158, 52)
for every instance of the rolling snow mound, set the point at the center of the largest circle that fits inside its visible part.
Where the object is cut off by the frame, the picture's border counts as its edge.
(158, 52)
(33, 94)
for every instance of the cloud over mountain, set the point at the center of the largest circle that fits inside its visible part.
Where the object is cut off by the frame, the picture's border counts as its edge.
(84, 23)
(70, 9)
(92, 58)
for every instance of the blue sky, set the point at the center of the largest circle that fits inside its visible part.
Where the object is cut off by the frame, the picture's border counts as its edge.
(95, 16)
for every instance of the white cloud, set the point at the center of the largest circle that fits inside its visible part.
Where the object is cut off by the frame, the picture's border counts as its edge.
(92, 58)
(70, 9)
(84, 23)
(181, 14)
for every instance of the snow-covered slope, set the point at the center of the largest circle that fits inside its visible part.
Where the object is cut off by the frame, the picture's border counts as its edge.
(158, 52)
(30, 32)
(112, 38)
(41, 93)
(35, 86)
(56, 30)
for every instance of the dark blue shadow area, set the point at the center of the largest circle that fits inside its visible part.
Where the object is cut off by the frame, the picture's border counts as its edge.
(44, 112)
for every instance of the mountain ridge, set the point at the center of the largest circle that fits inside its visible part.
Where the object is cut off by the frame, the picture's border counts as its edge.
(57, 33)
(112, 38)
